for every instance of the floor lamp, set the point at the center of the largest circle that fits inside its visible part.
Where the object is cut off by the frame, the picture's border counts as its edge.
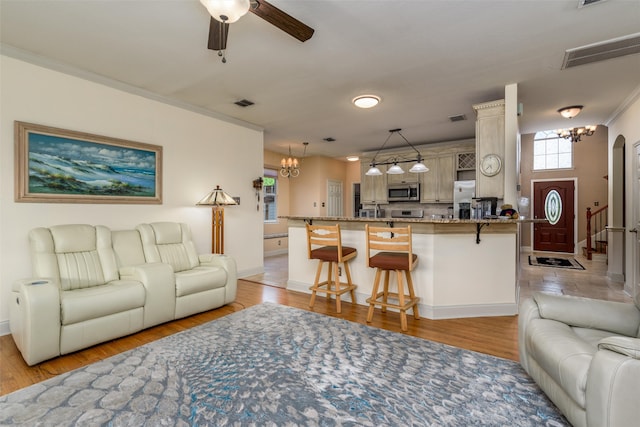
(217, 199)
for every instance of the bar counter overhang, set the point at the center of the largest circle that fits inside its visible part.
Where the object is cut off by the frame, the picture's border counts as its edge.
(466, 268)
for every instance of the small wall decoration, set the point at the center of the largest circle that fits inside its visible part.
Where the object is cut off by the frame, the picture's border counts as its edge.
(62, 166)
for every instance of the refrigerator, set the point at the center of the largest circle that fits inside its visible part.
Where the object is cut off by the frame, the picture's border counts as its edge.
(463, 194)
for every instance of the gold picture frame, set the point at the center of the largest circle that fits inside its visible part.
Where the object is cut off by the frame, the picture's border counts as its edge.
(54, 165)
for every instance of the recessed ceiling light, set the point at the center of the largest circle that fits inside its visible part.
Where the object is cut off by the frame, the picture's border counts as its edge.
(366, 101)
(353, 158)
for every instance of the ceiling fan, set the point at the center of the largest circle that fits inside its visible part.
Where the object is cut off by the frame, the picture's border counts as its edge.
(225, 12)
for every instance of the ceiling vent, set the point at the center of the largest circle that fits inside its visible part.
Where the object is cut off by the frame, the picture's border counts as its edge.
(597, 52)
(243, 103)
(457, 118)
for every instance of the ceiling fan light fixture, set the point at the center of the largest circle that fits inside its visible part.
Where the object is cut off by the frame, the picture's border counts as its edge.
(571, 111)
(227, 11)
(366, 101)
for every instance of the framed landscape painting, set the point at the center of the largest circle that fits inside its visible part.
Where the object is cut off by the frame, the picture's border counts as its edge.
(63, 166)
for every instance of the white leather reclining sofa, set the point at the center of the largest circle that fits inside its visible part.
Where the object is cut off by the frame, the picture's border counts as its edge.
(585, 355)
(92, 285)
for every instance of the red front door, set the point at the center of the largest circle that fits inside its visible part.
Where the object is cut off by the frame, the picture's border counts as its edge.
(558, 198)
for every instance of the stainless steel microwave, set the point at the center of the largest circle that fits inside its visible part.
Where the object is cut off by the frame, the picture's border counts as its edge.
(409, 192)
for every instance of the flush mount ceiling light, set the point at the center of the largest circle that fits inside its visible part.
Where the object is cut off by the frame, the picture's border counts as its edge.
(418, 167)
(570, 112)
(366, 101)
(353, 158)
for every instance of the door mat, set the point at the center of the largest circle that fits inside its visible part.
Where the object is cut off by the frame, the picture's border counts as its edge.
(555, 262)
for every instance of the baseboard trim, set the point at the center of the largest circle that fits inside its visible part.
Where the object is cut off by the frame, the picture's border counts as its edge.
(4, 328)
(276, 252)
(616, 277)
(430, 312)
(250, 272)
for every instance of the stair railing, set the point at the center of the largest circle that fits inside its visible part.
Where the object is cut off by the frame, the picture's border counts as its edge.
(597, 238)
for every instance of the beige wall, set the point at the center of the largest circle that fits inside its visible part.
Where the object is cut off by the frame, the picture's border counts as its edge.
(309, 191)
(590, 169)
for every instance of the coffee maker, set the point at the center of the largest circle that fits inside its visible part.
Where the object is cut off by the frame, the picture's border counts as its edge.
(485, 207)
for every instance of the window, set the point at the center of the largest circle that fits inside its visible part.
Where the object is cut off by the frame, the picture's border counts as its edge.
(269, 195)
(551, 151)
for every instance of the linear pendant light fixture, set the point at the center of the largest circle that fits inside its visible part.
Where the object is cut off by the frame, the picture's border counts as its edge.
(395, 169)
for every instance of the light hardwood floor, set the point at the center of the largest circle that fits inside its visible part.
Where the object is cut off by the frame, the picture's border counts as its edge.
(490, 335)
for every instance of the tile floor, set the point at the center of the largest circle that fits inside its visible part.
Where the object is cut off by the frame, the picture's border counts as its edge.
(591, 282)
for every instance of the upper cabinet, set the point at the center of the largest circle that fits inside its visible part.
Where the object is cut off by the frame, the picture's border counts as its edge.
(437, 184)
(373, 189)
(490, 149)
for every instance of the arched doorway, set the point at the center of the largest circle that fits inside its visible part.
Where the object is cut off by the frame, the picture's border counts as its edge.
(616, 229)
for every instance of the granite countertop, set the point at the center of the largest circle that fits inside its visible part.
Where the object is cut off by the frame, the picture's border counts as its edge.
(416, 220)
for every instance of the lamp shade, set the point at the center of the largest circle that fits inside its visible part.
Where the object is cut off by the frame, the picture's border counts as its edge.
(216, 197)
(227, 11)
(395, 170)
(419, 168)
(373, 171)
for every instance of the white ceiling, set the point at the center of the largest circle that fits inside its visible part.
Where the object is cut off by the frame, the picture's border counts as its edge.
(428, 60)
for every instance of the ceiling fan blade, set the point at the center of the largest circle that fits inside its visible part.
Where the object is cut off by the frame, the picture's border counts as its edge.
(218, 33)
(282, 20)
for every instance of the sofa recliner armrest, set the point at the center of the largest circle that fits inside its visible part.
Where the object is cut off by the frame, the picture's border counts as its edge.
(527, 311)
(159, 281)
(617, 317)
(612, 386)
(34, 319)
(627, 346)
(229, 264)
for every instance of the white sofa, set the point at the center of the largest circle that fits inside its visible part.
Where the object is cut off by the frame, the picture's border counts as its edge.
(92, 285)
(585, 355)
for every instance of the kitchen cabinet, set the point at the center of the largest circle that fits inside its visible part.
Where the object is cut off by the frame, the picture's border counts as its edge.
(405, 177)
(373, 189)
(437, 184)
(490, 139)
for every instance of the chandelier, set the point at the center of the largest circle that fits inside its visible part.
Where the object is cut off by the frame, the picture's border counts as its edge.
(290, 166)
(575, 134)
(395, 169)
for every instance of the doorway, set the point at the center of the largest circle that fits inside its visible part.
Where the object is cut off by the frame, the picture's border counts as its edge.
(334, 198)
(554, 200)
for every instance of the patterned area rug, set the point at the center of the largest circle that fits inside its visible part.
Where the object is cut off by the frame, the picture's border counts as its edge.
(275, 365)
(555, 262)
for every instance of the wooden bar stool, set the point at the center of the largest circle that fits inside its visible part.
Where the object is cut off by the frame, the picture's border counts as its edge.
(394, 254)
(324, 243)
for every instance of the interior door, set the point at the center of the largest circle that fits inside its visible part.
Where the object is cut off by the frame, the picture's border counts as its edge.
(554, 200)
(334, 198)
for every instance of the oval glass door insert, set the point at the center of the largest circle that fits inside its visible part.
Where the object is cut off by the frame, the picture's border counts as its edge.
(553, 207)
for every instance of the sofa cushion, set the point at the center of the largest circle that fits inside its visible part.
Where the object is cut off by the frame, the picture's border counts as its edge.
(200, 279)
(562, 354)
(80, 305)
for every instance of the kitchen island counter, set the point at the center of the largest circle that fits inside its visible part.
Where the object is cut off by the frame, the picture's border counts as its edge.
(466, 268)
